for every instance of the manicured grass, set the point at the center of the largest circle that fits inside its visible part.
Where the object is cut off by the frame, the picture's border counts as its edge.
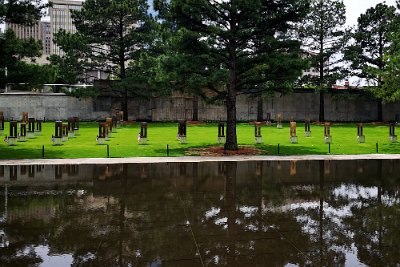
(124, 142)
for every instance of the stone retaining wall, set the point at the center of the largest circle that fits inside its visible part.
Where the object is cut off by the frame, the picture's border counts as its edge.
(299, 105)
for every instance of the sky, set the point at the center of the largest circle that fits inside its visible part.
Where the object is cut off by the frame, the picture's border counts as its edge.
(354, 8)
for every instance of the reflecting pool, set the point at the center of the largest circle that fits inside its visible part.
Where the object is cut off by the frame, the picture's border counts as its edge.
(266, 213)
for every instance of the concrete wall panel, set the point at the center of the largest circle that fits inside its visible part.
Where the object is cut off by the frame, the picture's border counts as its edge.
(299, 105)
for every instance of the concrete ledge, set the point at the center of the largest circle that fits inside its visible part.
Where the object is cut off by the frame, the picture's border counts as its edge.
(83, 161)
(33, 94)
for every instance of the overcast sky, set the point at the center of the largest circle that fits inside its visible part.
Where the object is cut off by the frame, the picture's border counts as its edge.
(354, 8)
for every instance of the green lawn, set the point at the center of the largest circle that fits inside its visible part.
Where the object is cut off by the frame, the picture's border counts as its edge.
(124, 142)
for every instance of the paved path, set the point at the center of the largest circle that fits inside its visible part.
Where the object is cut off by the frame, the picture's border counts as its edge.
(194, 159)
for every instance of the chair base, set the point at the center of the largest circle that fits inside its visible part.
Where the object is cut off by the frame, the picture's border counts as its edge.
(101, 140)
(328, 139)
(57, 141)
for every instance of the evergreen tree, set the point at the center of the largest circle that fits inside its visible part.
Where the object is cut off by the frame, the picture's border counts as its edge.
(371, 40)
(12, 51)
(324, 36)
(110, 34)
(26, 12)
(389, 89)
(221, 49)
(72, 63)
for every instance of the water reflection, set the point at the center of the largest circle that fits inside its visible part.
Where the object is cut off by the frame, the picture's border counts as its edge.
(301, 213)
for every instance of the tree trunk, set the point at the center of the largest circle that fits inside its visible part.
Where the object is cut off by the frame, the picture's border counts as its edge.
(122, 203)
(321, 106)
(321, 116)
(195, 115)
(122, 60)
(260, 110)
(230, 209)
(321, 210)
(231, 138)
(125, 104)
(380, 111)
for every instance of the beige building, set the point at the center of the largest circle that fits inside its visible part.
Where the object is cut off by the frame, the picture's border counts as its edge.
(39, 31)
(46, 41)
(60, 18)
(26, 32)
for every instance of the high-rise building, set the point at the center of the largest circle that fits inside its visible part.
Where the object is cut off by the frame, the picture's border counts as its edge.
(40, 31)
(60, 18)
(26, 32)
(46, 37)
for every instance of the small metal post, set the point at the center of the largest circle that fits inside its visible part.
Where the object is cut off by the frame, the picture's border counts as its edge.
(108, 150)
(278, 149)
(329, 148)
(167, 150)
(377, 148)
(43, 152)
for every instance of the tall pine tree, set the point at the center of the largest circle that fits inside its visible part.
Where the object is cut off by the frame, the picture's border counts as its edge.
(26, 12)
(324, 36)
(110, 34)
(389, 90)
(371, 39)
(221, 49)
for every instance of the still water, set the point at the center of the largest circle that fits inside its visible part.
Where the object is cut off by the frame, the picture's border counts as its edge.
(304, 213)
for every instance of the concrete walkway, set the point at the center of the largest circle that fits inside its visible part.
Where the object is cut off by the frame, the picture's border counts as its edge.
(194, 159)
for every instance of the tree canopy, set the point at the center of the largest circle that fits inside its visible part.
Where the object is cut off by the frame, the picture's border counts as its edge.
(12, 49)
(371, 39)
(389, 89)
(26, 12)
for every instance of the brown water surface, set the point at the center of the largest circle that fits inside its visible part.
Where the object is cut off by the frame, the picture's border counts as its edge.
(304, 213)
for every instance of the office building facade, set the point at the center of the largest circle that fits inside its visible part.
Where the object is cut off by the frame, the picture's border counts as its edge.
(40, 31)
(60, 18)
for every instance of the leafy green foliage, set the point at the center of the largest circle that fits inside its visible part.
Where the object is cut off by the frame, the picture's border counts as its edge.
(389, 91)
(12, 51)
(371, 39)
(32, 73)
(72, 63)
(81, 92)
(367, 53)
(26, 12)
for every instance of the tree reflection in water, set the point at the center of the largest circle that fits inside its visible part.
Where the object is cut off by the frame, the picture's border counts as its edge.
(214, 214)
